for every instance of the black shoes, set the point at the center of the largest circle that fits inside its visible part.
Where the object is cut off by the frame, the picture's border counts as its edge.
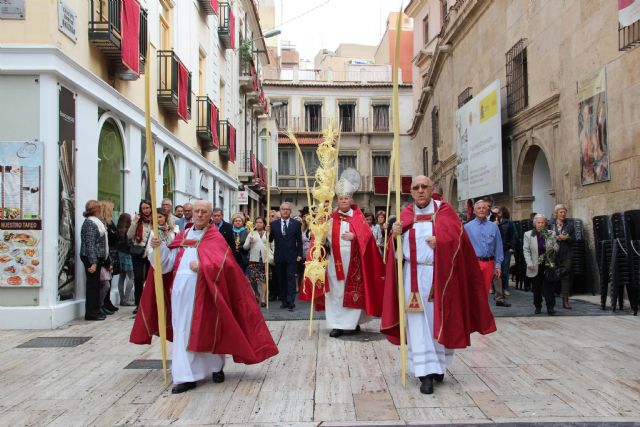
(111, 307)
(426, 386)
(335, 333)
(135, 310)
(263, 304)
(538, 310)
(181, 388)
(503, 304)
(438, 377)
(551, 312)
(292, 307)
(105, 311)
(218, 377)
(99, 317)
(284, 305)
(273, 298)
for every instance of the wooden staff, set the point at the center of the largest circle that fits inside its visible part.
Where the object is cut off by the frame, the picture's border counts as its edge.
(398, 188)
(386, 229)
(268, 251)
(157, 268)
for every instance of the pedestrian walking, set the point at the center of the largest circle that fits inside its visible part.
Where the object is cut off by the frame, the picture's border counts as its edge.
(240, 234)
(256, 244)
(287, 235)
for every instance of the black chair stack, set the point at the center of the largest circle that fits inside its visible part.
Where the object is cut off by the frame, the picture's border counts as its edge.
(602, 236)
(632, 222)
(620, 270)
(578, 256)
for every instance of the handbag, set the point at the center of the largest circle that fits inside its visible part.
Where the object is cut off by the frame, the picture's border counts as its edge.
(115, 261)
(138, 250)
(105, 275)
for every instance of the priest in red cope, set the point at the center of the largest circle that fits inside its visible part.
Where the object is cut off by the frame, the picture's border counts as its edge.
(355, 272)
(213, 309)
(444, 290)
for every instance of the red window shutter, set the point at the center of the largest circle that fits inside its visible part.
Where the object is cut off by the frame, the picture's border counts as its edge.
(380, 184)
(406, 184)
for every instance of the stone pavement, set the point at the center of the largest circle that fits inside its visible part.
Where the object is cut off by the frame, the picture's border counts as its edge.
(556, 369)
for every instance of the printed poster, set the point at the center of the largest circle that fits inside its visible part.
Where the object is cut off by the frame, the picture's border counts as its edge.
(592, 129)
(21, 214)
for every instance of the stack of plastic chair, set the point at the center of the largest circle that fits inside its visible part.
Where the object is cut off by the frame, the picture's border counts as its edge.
(578, 255)
(602, 236)
(518, 257)
(620, 270)
(632, 222)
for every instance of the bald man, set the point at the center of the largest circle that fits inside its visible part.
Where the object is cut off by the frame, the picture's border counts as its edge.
(444, 293)
(213, 309)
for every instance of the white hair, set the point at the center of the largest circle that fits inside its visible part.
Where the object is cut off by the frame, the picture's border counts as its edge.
(475, 205)
(539, 216)
(560, 206)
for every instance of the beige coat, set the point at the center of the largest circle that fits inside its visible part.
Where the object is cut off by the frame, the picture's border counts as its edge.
(530, 250)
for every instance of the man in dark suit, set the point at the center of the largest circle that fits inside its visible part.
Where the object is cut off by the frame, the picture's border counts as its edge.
(227, 232)
(287, 234)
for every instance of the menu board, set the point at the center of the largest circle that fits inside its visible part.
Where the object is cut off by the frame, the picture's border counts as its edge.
(21, 214)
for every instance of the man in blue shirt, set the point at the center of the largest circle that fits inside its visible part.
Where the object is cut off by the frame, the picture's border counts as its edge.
(487, 243)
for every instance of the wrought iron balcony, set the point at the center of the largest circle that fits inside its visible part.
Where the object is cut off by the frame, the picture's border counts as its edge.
(249, 82)
(168, 63)
(206, 124)
(227, 135)
(105, 32)
(207, 6)
(224, 25)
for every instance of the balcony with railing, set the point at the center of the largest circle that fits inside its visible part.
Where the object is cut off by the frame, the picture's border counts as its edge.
(105, 32)
(353, 74)
(226, 25)
(207, 124)
(227, 134)
(347, 125)
(209, 6)
(170, 90)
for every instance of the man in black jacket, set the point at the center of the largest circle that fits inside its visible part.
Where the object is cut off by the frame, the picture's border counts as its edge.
(227, 232)
(287, 234)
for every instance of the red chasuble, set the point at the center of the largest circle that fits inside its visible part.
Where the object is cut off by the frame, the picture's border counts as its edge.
(226, 318)
(459, 299)
(364, 282)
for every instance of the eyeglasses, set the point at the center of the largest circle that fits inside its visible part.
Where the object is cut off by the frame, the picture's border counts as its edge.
(421, 187)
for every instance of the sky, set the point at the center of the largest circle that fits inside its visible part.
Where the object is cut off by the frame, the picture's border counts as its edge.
(332, 22)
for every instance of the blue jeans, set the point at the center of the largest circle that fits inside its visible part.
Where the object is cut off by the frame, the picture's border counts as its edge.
(505, 270)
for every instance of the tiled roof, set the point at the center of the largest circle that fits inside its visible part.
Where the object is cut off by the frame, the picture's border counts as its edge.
(303, 83)
(284, 140)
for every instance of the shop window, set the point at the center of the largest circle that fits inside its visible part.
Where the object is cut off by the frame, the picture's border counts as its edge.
(168, 179)
(110, 166)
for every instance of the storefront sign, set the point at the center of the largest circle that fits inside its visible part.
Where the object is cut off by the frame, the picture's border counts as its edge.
(243, 197)
(12, 9)
(67, 19)
(21, 214)
(478, 135)
(66, 210)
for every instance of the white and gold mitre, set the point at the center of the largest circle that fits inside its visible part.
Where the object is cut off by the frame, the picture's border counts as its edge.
(349, 183)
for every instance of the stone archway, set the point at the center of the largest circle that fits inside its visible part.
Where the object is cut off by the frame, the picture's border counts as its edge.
(535, 183)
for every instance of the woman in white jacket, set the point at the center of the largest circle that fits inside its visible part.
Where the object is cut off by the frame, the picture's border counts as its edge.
(539, 248)
(256, 244)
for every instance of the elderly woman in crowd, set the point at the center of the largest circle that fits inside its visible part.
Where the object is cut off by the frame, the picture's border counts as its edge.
(240, 234)
(139, 234)
(93, 253)
(539, 250)
(565, 235)
(256, 244)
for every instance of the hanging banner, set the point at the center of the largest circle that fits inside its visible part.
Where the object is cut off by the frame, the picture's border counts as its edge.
(628, 12)
(21, 214)
(592, 129)
(478, 135)
(66, 211)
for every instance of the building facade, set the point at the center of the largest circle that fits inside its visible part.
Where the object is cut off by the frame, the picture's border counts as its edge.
(72, 81)
(363, 113)
(570, 122)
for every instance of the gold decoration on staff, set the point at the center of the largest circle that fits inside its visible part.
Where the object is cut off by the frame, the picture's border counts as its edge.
(320, 210)
(249, 225)
(398, 187)
(157, 268)
(268, 248)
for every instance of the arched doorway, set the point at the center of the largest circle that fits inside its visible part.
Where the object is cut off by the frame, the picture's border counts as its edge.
(541, 186)
(168, 178)
(111, 165)
(535, 183)
(454, 194)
